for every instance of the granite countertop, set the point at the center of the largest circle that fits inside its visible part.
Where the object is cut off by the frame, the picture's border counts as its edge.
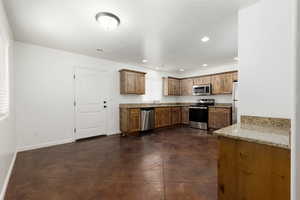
(155, 105)
(273, 136)
(222, 105)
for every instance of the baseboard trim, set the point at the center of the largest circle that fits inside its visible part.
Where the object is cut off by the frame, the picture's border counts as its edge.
(7, 178)
(43, 145)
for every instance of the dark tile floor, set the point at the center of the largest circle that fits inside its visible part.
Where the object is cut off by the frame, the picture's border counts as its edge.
(169, 164)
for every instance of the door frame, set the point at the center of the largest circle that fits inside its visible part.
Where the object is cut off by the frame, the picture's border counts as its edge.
(74, 94)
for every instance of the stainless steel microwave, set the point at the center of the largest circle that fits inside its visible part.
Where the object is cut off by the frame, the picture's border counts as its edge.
(202, 90)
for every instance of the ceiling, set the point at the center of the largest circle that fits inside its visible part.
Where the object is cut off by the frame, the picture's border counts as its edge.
(165, 32)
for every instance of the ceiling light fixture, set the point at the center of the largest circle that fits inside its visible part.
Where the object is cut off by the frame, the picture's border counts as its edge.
(205, 39)
(144, 60)
(182, 70)
(204, 65)
(108, 20)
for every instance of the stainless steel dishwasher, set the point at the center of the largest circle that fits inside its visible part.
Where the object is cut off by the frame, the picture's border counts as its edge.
(147, 119)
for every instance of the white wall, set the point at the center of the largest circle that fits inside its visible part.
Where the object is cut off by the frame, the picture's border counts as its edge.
(296, 123)
(44, 93)
(267, 68)
(7, 125)
(266, 59)
(206, 71)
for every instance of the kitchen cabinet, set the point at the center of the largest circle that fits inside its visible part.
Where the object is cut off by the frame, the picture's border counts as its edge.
(219, 117)
(132, 82)
(175, 115)
(248, 170)
(185, 115)
(235, 76)
(130, 120)
(162, 117)
(186, 87)
(171, 86)
(222, 83)
(203, 80)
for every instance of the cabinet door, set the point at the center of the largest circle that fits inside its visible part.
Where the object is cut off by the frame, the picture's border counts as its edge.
(176, 115)
(140, 83)
(219, 117)
(166, 117)
(235, 76)
(130, 81)
(211, 118)
(186, 87)
(185, 115)
(216, 82)
(171, 90)
(227, 169)
(222, 117)
(134, 120)
(176, 87)
(202, 80)
(162, 117)
(227, 83)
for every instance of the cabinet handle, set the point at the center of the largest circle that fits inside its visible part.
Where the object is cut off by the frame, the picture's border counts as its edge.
(105, 106)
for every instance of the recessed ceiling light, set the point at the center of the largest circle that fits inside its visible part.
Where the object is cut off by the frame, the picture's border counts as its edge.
(144, 60)
(204, 65)
(236, 58)
(108, 20)
(205, 39)
(182, 70)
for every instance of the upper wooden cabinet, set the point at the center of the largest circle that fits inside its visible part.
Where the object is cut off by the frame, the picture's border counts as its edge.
(132, 82)
(203, 80)
(171, 86)
(186, 87)
(222, 83)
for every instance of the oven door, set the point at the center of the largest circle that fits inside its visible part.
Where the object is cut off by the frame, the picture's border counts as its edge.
(199, 90)
(199, 117)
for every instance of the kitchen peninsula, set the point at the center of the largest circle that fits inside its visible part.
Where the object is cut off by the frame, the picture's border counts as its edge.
(254, 159)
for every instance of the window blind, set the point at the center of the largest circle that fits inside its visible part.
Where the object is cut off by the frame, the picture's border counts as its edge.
(4, 92)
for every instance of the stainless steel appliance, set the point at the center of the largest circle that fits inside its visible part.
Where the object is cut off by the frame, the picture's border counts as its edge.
(235, 102)
(202, 90)
(147, 119)
(198, 114)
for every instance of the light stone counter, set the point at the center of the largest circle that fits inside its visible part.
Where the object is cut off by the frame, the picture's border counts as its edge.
(278, 136)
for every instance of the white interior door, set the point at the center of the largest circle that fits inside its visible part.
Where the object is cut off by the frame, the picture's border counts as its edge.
(91, 95)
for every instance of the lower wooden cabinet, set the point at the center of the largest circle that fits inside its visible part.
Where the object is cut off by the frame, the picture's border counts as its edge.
(130, 120)
(162, 117)
(219, 117)
(185, 115)
(249, 171)
(175, 115)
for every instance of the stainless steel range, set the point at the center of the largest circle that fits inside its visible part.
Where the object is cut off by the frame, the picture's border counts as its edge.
(199, 113)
